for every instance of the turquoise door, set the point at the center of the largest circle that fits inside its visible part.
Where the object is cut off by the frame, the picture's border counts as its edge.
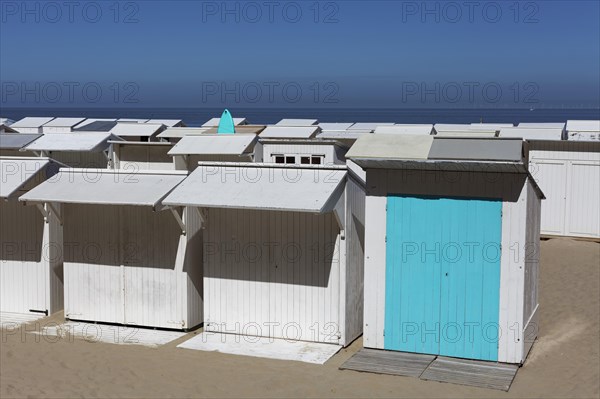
(443, 276)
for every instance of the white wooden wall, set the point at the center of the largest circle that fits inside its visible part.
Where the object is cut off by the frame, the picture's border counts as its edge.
(329, 151)
(568, 174)
(190, 162)
(355, 260)
(273, 273)
(511, 188)
(30, 260)
(142, 157)
(130, 265)
(56, 129)
(531, 255)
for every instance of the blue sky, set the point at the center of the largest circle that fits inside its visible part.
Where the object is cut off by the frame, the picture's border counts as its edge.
(391, 54)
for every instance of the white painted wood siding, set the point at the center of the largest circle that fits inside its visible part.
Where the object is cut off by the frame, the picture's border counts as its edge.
(23, 269)
(130, 266)
(143, 157)
(272, 274)
(354, 260)
(568, 174)
(328, 151)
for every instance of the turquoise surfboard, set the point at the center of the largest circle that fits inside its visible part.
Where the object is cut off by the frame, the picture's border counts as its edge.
(226, 125)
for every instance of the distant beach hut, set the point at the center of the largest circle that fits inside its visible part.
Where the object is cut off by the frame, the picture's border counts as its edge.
(464, 130)
(214, 122)
(87, 150)
(451, 246)
(133, 120)
(96, 125)
(31, 269)
(297, 122)
(61, 125)
(282, 249)
(5, 124)
(568, 171)
(168, 122)
(128, 259)
(423, 129)
(298, 145)
(134, 156)
(31, 124)
(174, 134)
(236, 147)
(133, 131)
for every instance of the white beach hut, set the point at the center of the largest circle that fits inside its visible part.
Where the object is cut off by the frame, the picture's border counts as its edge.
(31, 124)
(61, 125)
(425, 129)
(214, 122)
(82, 150)
(127, 258)
(367, 127)
(31, 269)
(335, 126)
(132, 120)
(282, 249)
(96, 125)
(583, 130)
(133, 131)
(568, 171)
(174, 134)
(464, 130)
(168, 122)
(214, 147)
(134, 156)
(451, 246)
(297, 145)
(5, 124)
(297, 122)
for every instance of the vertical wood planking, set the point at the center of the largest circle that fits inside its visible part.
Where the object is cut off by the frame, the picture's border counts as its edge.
(261, 277)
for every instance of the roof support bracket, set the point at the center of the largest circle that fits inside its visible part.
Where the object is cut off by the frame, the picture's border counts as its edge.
(44, 212)
(55, 212)
(202, 215)
(340, 217)
(178, 220)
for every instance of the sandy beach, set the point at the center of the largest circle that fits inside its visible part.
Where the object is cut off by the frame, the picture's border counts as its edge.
(564, 362)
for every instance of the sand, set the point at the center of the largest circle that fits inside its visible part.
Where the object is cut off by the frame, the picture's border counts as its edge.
(564, 362)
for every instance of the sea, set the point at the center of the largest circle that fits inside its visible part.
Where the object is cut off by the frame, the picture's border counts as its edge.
(197, 116)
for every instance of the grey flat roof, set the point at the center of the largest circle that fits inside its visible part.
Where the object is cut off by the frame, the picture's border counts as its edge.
(422, 149)
(510, 150)
(95, 126)
(11, 141)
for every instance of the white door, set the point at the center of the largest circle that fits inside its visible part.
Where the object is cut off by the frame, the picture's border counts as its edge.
(150, 242)
(551, 176)
(92, 271)
(583, 199)
(23, 269)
